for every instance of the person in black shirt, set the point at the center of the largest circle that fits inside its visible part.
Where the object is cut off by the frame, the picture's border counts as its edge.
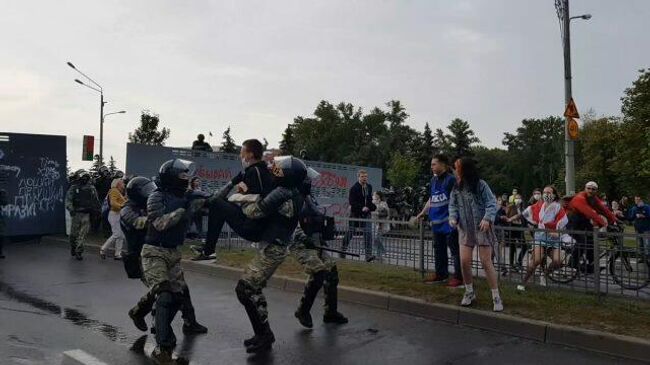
(361, 207)
(200, 144)
(255, 179)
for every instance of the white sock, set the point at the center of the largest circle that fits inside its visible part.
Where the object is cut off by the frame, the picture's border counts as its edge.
(495, 293)
(469, 288)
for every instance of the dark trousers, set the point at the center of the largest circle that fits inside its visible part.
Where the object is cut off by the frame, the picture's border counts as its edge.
(584, 245)
(222, 211)
(367, 235)
(516, 239)
(441, 260)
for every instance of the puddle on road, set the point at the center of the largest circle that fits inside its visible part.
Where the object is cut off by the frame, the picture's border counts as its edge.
(113, 333)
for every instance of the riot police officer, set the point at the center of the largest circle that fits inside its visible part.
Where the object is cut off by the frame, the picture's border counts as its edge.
(81, 201)
(289, 172)
(318, 265)
(133, 220)
(169, 212)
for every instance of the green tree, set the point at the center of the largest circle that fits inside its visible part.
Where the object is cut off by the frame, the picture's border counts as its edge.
(147, 132)
(494, 165)
(288, 142)
(633, 152)
(112, 167)
(461, 138)
(537, 152)
(402, 171)
(426, 152)
(228, 145)
(597, 157)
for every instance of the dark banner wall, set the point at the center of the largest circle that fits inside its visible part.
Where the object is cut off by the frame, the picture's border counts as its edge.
(33, 170)
(216, 169)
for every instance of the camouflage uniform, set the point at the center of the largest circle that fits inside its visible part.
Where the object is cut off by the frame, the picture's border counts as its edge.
(162, 266)
(322, 273)
(81, 200)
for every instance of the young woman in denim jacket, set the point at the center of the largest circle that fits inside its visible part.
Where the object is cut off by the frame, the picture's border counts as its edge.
(472, 210)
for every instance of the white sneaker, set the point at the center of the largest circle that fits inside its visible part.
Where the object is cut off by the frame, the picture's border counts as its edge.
(498, 304)
(542, 280)
(521, 287)
(468, 298)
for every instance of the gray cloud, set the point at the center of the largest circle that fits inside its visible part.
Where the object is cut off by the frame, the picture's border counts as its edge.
(255, 65)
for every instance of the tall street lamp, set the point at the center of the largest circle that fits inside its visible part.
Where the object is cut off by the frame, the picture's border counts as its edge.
(98, 89)
(562, 7)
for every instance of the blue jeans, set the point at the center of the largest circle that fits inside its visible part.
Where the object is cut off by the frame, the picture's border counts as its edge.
(367, 235)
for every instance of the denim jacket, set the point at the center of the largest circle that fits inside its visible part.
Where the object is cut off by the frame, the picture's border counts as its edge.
(465, 204)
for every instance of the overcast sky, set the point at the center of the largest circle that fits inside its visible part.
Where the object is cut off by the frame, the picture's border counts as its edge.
(255, 65)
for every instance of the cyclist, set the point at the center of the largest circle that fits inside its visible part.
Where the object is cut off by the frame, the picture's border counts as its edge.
(586, 212)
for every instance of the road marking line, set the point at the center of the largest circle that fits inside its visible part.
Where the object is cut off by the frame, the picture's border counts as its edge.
(80, 357)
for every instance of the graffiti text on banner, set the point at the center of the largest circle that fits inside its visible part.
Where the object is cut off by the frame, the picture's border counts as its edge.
(37, 194)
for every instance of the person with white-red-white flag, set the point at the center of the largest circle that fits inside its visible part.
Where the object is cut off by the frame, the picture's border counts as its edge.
(548, 216)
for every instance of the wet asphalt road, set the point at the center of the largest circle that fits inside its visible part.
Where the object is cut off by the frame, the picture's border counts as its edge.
(50, 303)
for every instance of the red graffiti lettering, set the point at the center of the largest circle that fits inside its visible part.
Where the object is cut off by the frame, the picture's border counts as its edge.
(215, 174)
(329, 179)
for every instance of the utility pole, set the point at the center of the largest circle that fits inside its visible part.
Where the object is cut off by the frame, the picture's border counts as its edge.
(562, 7)
(569, 145)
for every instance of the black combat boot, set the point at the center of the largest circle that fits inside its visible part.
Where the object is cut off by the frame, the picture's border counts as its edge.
(140, 311)
(190, 325)
(262, 341)
(330, 289)
(162, 356)
(311, 290)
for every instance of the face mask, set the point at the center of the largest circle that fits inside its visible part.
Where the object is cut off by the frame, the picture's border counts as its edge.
(549, 197)
(536, 196)
(245, 163)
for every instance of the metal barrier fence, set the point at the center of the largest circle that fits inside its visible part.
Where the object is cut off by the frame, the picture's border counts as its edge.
(609, 262)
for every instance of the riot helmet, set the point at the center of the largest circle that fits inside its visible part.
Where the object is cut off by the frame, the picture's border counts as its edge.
(138, 190)
(175, 174)
(104, 171)
(82, 176)
(118, 174)
(289, 171)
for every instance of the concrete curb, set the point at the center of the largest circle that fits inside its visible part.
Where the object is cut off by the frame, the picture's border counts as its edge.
(545, 332)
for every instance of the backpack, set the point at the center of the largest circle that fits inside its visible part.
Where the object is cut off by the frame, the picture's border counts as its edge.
(314, 220)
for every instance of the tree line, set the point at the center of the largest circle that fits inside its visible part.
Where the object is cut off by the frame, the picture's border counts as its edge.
(614, 151)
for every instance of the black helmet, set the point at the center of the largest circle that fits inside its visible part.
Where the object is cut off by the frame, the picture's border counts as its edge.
(118, 174)
(175, 174)
(82, 176)
(289, 171)
(104, 171)
(139, 189)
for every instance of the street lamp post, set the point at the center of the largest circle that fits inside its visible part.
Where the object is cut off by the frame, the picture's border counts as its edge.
(101, 107)
(562, 7)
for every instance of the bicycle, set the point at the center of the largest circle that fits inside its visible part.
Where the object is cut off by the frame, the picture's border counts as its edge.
(627, 266)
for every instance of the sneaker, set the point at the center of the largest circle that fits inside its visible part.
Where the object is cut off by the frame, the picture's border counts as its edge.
(138, 320)
(370, 258)
(521, 288)
(262, 343)
(162, 356)
(194, 328)
(468, 298)
(454, 283)
(435, 279)
(498, 304)
(542, 280)
(204, 257)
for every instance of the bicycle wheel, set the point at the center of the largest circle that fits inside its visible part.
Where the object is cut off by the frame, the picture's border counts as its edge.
(565, 273)
(630, 270)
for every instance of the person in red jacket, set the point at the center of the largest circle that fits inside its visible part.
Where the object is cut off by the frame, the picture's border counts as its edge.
(586, 212)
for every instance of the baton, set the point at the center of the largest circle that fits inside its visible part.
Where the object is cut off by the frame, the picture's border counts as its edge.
(335, 250)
